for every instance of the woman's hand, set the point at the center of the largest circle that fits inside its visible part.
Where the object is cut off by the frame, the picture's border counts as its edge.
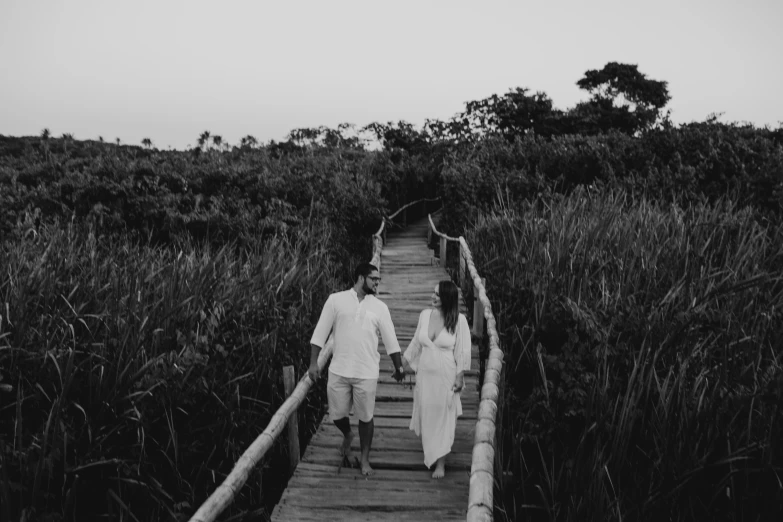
(459, 383)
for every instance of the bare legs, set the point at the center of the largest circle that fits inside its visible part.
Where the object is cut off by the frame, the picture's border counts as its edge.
(440, 468)
(366, 431)
(345, 448)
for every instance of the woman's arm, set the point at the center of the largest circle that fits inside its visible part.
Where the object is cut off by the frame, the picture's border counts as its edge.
(413, 352)
(462, 352)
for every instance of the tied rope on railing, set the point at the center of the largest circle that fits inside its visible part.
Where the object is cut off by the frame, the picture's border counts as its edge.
(220, 499)
(482, 468)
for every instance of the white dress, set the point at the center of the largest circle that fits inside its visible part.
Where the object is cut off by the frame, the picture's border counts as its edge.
(436, 363)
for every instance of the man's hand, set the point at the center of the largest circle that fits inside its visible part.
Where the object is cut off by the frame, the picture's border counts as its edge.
(313, 372)
(399, 374)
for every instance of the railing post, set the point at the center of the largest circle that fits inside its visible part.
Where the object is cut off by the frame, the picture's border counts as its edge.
(289, 382)
(429, 233)
(478, 311)
(405, 217)
(443, 245)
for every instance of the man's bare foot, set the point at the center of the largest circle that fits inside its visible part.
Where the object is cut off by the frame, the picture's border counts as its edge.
(366, 468)
(440, 469)
(345, 447)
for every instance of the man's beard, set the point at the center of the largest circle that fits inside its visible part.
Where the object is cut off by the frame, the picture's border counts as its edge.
(368, 290)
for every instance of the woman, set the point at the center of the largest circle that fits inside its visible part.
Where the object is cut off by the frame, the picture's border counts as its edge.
(439, 353)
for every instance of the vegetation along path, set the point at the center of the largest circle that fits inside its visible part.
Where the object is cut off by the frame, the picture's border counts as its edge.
(402, 488)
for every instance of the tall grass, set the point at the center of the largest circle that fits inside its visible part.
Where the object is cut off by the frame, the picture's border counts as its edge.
(645, 346)
(133, 376)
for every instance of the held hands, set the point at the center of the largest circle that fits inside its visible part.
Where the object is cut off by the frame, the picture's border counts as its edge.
(459, 383)
(399, 374)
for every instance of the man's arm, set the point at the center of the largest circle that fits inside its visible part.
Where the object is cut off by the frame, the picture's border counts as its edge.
(392, 345)
(314, 372)
(320, 334)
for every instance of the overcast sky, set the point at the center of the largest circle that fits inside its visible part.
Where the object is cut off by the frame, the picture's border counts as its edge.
(169, 70)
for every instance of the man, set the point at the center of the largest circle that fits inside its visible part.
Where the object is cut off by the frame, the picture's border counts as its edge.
(355, 316)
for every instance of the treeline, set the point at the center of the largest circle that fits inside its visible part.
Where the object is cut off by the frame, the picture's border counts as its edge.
(239, 195)
(689, 164)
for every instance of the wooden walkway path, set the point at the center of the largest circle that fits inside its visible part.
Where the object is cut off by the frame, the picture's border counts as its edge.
(402, 488)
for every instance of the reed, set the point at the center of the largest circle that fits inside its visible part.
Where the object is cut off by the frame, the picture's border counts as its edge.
(644, 344)
(133, 376)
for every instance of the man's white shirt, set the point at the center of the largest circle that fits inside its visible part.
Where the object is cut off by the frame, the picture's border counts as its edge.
(356, 326)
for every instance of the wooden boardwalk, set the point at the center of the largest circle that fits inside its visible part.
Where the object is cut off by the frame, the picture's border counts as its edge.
(402, 488)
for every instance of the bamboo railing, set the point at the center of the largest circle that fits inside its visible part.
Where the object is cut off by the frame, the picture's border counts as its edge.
(487, 432)
(220, 499)
(225, 493)
(379, 238)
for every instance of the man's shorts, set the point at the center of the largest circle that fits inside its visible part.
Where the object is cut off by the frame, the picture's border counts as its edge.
(344, 392)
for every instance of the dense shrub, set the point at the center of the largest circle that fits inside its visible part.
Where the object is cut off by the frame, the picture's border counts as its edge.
(148, 301)
(691, 163)
(643, 348)
(142, 372)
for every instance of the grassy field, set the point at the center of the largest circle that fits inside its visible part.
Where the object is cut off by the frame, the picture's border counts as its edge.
(148, 302)
(141, 373)
(644, 348)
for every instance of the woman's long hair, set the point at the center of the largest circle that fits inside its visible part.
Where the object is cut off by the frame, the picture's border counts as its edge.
(449, 303)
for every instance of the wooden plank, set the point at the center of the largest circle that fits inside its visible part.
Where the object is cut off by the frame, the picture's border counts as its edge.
(471, 377)
(388, 440)
(391, 459)
(402, 488)
(390, 477)
(392, 392)
(299, 514)
(370, 499)
(403, 409)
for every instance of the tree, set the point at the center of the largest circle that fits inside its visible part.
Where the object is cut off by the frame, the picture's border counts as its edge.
(67, 138)
(248, 141)
(217, 141)
(203, 139)
(147, 143)
(622, 98)
(513, 114)
(305, 137)
(400, 135)
(455, 129)
(45, 135)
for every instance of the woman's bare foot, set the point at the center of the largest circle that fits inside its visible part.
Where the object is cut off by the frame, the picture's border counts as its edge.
(366, 468)
(440, 469)
(345, 447)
